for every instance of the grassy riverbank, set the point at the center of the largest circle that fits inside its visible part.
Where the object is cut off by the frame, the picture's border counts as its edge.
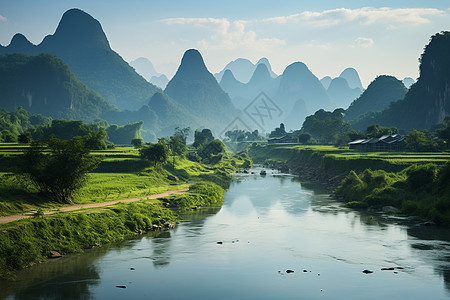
(121, 175)
(25, 242)
(415, 183)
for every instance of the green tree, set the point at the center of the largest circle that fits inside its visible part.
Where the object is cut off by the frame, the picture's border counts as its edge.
(177, 145)
(157, 153)
(25, 138)
(137, 143)
(61, 172)
(203, 137)
(212, 148)
(420, 141)
(278, 132)
(375, 131)
(183, 133)
(444, 131)
(304, 138)
(325, 126)
(95, 141)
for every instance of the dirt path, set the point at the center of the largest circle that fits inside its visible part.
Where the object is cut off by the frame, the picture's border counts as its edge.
(7, 219)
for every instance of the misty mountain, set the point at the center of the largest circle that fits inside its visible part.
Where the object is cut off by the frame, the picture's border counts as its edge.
(298, 82)
(340, 92)
(160, 81)
(171, 114)
(144, 67)
(427, 102)
(326, 81)
(297, 115)
(408, 82)
(352, 77)
(80, 41)
(243, 69)
(45, 84)
(379, 94)
(196, 90)
(242, 94)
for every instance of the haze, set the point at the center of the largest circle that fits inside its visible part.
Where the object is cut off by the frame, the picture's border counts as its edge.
(374, 38)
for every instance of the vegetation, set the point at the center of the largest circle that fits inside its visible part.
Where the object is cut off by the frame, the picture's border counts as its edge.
(52, 88)
(378, 95)
(424, 104)
(421, 190)
(326, 127)
(239, 135)
(60, 173)
(29, 241)
(157, 154)
(121, 174)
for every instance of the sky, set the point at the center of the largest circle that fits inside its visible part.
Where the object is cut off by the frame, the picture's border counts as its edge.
(376, 37)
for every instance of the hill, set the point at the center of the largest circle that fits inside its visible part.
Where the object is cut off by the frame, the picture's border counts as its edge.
(144, 67)
(45, 84)
(427, 102)
(341, 93)
(80, 41)
(243, 69)
(196, 90)
(352, 77)
(171, 114)
(379, 94)
(298, 82)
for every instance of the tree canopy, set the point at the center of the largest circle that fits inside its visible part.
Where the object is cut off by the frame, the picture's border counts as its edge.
(58, 168)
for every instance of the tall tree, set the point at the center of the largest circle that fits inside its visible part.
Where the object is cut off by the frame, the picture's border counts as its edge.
(61, 172)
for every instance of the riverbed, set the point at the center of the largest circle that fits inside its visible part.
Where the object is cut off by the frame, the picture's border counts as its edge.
(274, 238)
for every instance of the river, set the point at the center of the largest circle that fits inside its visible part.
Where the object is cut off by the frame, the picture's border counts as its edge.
(267, 226)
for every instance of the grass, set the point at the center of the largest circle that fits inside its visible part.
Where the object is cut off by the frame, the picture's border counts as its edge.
(416, 182)
(29, 241)
(122, 174)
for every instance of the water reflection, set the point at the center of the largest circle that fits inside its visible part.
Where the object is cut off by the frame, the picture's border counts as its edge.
(161, 245)
(69, 278)
(267, 224)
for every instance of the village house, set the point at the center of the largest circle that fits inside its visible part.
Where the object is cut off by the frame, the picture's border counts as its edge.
(386, 143)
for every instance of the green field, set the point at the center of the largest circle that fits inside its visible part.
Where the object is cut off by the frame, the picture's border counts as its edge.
(333, 157)
(121, 174)
(416, 183)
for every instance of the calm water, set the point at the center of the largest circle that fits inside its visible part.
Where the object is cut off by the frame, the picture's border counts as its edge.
(267, 225)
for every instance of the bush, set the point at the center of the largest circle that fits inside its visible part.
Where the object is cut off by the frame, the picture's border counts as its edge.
(422, 177)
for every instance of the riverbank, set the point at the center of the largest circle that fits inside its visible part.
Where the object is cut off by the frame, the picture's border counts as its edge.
(29, 241)
(33, 240)
(412, 183)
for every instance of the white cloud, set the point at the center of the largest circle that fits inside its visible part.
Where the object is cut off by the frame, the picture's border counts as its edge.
(317, 45)
(226, 35)
(363, 42)
(364, 16)
(3, 19)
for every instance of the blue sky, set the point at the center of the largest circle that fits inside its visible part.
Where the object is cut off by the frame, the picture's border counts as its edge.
(375, 37)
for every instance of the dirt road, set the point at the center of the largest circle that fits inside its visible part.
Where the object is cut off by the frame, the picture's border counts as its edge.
(91, 205)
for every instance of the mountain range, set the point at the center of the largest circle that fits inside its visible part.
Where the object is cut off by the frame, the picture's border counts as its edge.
(45, 84)
(297, 89)
(427, 102)
(379, 94)
(243, 69)
(196, 90)
(80, 41)
(145, 68)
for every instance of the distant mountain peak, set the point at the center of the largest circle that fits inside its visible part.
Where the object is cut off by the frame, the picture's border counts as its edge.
(352, 77)
(20, 40)
(295, 68)
(79, 28)
(228, 75)
(261, 73)
(192, 64)
(20, 43)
